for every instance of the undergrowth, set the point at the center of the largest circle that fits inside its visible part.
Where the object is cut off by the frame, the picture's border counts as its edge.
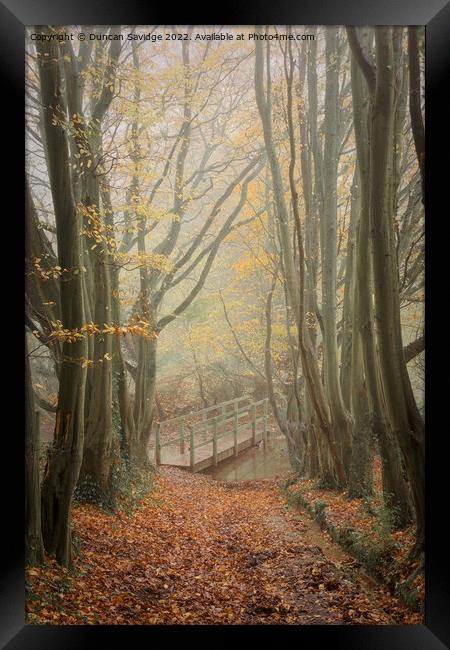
(369, 534)
(129, 484)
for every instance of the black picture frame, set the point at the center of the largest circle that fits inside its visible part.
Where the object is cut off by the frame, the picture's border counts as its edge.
(435, 15)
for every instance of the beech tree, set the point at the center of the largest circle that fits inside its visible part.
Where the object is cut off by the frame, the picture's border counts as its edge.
(65, 456)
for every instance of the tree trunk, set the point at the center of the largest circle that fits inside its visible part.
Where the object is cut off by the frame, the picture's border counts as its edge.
(348, 311)
(403, 413)
(394, 488)
(415, 108)
(144, 401)
(34, 547)
(101, 448)
(328, 219)
(325, 427)
(64, 459)
(360, 474)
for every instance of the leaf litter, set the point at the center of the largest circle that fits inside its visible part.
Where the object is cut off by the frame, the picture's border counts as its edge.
(200, 551)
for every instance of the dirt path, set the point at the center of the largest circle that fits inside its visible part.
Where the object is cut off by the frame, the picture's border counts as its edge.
(204, 552)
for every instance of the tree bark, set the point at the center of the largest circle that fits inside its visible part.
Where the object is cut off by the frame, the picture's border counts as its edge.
(34, 547)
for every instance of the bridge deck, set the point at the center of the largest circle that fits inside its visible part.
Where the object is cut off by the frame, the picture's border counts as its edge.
(204, 455)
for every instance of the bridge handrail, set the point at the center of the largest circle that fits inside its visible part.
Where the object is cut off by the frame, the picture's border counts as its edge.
(207, 424)
(227, 432)
(241, 410)
(208, 409)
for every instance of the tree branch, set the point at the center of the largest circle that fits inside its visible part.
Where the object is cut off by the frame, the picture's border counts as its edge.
(413, 349)
(43, 403)
(238, 343)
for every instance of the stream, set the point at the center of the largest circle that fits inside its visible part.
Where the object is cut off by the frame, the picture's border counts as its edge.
(269, 461)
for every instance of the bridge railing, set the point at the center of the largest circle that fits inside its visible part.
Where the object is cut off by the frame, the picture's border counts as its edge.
(209, 425)
(176, 428)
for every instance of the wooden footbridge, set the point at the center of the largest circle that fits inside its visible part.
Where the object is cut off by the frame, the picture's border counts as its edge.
(207, 437)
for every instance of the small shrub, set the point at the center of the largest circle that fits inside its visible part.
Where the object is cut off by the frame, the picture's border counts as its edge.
(319, 506)
(319, 510)
(386, 519)
(132, 483)
(370, 550)
(409, 596)
(323, 484)
(295, 498)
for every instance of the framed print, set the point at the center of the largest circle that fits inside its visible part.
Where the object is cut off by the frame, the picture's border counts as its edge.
(225, 272)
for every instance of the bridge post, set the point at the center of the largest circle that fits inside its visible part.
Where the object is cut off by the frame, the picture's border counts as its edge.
(215, 424)
(266, 404)
(158, 444)
(253, 416)
(182, 435)
(235, 428)
(191, 447)
(205, 426)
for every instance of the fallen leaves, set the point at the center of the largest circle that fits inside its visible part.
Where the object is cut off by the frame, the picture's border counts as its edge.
(201, 552)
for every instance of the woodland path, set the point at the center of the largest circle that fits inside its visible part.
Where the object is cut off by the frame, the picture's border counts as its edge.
(200, 551)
